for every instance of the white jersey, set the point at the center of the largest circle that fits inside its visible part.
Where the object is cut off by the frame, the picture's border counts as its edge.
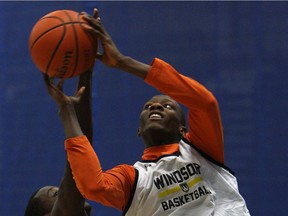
(185, 184)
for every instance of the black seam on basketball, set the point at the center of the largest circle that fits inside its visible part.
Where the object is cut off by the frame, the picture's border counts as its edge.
(46, 30)
(55, 50)
(76, 44)
(62, 24)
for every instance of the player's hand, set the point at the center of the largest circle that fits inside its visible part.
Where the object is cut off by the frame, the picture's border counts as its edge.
(111, 55)
(56, 92)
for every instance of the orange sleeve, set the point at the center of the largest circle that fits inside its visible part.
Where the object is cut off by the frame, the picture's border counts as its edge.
(111, 188)
(204, 123)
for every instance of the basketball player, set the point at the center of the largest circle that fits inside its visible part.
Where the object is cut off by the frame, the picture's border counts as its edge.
(182, 171)
(66, 200)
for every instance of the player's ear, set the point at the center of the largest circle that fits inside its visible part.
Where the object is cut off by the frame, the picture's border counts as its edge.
(139, 132)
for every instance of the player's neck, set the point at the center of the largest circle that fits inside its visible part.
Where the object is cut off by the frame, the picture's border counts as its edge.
(159, 138)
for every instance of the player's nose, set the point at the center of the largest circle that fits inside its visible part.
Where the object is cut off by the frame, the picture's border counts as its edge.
(156, 106)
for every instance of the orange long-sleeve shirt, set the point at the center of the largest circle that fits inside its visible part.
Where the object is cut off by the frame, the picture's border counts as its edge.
(113, 187)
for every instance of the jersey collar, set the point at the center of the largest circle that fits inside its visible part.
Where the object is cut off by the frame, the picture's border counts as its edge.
(154, 152)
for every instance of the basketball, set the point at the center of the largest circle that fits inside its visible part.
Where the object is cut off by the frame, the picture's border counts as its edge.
(59, 45)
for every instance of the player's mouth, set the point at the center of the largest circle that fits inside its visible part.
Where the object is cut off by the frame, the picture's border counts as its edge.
(155, 116)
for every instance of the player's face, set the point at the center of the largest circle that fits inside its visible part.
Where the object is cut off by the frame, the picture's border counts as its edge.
(161, 114)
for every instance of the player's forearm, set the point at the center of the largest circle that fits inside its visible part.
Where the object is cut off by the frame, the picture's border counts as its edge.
(83, 109)
(69, 121)
(130, 65)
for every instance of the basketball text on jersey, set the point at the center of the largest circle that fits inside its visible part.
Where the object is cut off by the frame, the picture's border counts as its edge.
(188, 197)
(182, 179)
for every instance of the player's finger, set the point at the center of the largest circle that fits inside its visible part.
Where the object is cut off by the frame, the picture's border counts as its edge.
(99, 56)
(80, 91)
(60, 84)
(95, 13)
(49, 83)
(47, 79)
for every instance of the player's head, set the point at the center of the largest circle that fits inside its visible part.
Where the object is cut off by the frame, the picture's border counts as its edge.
(162, 121)
(42, 200)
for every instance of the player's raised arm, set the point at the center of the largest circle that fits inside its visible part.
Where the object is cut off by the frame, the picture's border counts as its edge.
(69, 200)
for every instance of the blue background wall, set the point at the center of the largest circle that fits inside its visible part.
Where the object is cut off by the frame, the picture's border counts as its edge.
(238, 50)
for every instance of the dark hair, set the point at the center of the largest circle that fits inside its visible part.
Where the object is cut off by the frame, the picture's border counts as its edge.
(35, 206)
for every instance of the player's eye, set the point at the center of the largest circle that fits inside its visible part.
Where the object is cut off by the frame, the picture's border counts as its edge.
(168, 106)
(147, 106)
